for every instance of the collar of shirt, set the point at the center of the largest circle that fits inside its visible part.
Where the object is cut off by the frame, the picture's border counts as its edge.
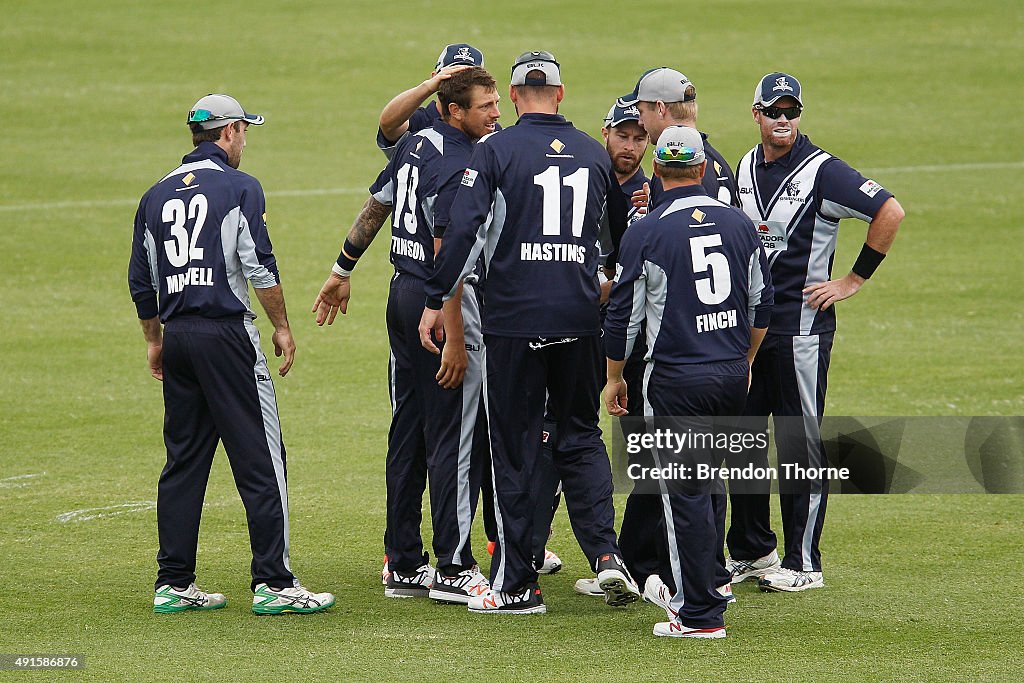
(795, 152)
(535, 118)
(681, 192)
(451, 132)
(205, 150)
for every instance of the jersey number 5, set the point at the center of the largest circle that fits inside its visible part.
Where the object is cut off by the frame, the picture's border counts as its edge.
(549, 183)
(181, 250)
(715, 288)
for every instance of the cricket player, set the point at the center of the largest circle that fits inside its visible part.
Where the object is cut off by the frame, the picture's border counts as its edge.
(796, 194)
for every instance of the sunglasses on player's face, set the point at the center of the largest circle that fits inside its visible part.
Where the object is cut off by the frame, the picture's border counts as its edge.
(775, 112)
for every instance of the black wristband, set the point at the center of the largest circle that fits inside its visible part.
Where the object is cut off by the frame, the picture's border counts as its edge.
(350, 253)
(867, 262)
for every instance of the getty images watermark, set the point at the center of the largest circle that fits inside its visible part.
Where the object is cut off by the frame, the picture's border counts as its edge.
(676, 444)
(801, 455)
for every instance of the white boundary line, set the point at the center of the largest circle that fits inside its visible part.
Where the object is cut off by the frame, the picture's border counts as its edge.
(89, 514)
(18, 481)
(101, 203)
(327, 191)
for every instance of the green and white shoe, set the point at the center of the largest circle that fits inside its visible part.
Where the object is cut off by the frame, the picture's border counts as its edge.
(169, 599)
(294, 600)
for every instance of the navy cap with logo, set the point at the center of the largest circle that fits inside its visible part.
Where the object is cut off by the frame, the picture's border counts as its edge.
(537, 60)
(775, 86)
(459, 53)
(217, 111)
(660, 84)
(620, 114)
(679, 146)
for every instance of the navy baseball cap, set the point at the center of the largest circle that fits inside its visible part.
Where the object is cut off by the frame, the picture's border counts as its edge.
(679, 146)
(217, 111)
(662, 83)
(459, 53)
(537, 60)
(775, 86)
(620, 114)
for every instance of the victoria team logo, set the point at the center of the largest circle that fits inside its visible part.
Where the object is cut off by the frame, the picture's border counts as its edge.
(793, 188)
(464, 54)
(782, 84)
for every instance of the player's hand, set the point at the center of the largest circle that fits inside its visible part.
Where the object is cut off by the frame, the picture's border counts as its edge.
(615, 397)
(642, 198)
(454, 361)
(606, 290)
(434, 82)
(431, 322)
(333, 297)
(824, 294)
(284, 344)
(155, 355)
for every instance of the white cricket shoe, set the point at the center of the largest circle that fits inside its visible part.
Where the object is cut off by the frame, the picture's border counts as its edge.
(674, 629)
(169, 599)
(415, 584)
(460, 588)
(385, 572)
(588, 587)
(657, 593)
(726, 592)
(552, 563)
(742, 570)
(790, 581)
(294, 600)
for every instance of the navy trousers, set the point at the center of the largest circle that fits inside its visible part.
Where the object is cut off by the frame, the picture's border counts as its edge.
(705, 391)
(522, 377)
(217, 387)
(789, 381)
(433, 432)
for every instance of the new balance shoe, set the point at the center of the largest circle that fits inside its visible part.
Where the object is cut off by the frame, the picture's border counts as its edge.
(674, 629)
(657, 593)
(552, 563)
(527, 601)
(726, 592)
(385, 572)
(742, 570)
(293, 600)
(618, 586)
(414, 584)
(588, 587)
(169, 599)
(468, 583)
(790, 581)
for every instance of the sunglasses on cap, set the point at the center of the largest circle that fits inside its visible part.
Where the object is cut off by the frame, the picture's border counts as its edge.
(678, 154)
(775, 112)
(203, 115)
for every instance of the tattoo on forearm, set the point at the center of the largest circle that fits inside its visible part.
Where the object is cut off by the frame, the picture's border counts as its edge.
(368, 223)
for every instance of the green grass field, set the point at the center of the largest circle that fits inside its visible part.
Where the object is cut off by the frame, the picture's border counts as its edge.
(920, 95)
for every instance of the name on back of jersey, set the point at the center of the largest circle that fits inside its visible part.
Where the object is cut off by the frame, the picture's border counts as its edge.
(552, 251)
(192, 277)
(411, 248)
(721, 320)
